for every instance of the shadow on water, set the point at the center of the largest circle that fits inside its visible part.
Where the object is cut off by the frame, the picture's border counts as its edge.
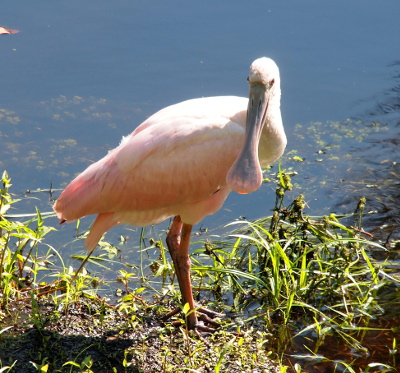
(373, 343)
(331, 355)
(374, 170)
(371, 170)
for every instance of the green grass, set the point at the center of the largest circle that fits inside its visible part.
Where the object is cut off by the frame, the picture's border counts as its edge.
(284, 278)
(20, 260)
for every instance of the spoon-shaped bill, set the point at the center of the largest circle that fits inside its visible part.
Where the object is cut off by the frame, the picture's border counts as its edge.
(245, 175)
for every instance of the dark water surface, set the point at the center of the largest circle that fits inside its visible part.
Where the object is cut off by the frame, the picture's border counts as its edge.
(80, 75)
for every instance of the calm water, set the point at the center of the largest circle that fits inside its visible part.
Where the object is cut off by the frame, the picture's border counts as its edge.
(80, 75)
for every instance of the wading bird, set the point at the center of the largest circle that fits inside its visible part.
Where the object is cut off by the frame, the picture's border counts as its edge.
(182, 162)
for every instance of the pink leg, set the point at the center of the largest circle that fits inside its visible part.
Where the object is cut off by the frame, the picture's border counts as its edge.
(178, 240)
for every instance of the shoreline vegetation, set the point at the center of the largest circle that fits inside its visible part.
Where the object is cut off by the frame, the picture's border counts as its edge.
(301, 293)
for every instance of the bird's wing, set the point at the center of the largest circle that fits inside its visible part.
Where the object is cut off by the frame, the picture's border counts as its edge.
(180, 155)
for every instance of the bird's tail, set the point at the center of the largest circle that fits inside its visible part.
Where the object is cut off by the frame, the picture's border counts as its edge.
(102, 224)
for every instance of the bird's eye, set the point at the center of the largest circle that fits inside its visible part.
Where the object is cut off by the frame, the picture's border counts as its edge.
(272, 82)
(248, 79)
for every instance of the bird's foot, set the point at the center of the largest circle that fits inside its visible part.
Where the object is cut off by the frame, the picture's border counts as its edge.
(202, 323)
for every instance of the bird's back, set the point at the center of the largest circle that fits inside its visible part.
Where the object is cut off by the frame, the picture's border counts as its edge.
(178, 156)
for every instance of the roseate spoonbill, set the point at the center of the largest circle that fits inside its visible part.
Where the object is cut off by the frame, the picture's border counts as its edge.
(182, 162)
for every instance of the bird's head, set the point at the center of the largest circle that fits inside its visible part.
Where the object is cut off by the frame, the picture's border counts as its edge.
(245, 175)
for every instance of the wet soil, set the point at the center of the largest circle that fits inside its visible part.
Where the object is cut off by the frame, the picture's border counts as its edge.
(114, 341)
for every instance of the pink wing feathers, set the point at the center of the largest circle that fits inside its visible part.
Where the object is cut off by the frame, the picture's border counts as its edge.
(177, 158)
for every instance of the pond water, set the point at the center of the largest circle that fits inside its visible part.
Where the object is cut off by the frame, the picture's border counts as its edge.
(80, 75)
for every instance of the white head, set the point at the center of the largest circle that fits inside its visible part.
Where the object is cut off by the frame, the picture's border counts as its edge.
(264, 71)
